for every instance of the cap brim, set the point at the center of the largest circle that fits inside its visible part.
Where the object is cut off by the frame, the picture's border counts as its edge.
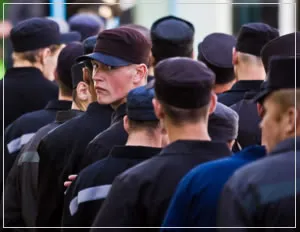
(261, 95)
(69, 37)
(104, 59)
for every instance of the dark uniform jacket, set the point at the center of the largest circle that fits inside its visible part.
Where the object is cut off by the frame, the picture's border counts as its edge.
(249, 132)
(23, 129)
(21, 187)
(25, 90)
(102, 144)
(86, 195)
(54, 151)
(262, 194)
(236, 93)
(140, 196)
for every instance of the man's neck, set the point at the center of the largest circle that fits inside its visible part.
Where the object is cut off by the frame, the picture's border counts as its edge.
(250, 73)
(195, 131)
(141, 138)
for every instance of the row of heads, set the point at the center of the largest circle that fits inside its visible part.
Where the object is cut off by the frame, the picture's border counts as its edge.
(171, 37)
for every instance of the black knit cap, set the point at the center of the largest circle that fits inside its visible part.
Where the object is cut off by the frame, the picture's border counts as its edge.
(281, 76)
(183, 82)
(253, 36)
(139, 104)
(172, 36)
(120, 47)
(34, 33)
(216, 52)
(281, 46)
(66, 60)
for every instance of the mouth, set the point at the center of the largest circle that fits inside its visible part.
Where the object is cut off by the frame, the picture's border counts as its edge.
(100, 90)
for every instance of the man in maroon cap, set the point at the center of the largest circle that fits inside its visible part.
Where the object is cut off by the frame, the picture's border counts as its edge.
(119, 64)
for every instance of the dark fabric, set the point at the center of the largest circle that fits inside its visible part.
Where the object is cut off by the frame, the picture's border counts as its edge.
(69, 140)
(249, 132)
(21, 187)
(96, 180)
(124, 43)
(183, 83)
(140, 196)
(102, 144)
(34, 33)
(238, 90)
(66, 59)
(139, 104)
(262, 194)
(281, 46)
(253, 36)
(280, 67)
(216, 52)
(26, 126)
(223, 124)
(25, 90)
(172, 36)
(89, 44)
(195, 202)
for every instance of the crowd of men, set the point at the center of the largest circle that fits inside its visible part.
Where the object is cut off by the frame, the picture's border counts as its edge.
(127, 128)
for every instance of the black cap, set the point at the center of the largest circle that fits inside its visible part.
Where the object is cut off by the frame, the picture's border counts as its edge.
(66, 60)
(281, 46)
(34, 33)
(183, 82)
(223, 124)
(120, 47)
(253, 36)
(172, 36)
(281, 76)
(86, 24)
(139, 104)
(69, 37)
(216, 52)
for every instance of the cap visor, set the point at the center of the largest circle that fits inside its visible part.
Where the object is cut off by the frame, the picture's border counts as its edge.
(69, 37)
(104, 59)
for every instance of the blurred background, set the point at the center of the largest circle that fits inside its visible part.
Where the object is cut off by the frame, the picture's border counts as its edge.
(207, 15)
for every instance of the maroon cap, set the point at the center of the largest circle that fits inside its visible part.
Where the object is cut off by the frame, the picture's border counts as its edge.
(120, 47)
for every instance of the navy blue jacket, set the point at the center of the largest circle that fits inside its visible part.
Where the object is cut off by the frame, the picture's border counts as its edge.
(262, 194)
(196, 199)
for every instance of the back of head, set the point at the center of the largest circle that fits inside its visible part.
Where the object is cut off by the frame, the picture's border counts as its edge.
(280, 46)
(172, 37)
(86, 24)
(66, 60)
(33, 34)
(140, 111)
(253, 36)
(184, 87)
(223, 124)
(216, 52)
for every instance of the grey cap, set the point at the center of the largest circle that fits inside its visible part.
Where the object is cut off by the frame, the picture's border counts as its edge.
(223, 124)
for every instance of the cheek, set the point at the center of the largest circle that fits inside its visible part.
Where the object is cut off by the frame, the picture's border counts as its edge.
(120, 85)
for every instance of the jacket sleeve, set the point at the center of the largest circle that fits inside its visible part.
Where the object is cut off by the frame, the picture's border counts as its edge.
(121, 208)
(12, 199)
(233, 210)
(48, 213)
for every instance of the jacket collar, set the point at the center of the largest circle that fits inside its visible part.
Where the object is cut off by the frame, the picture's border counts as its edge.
(58, 105)
(286, 146)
